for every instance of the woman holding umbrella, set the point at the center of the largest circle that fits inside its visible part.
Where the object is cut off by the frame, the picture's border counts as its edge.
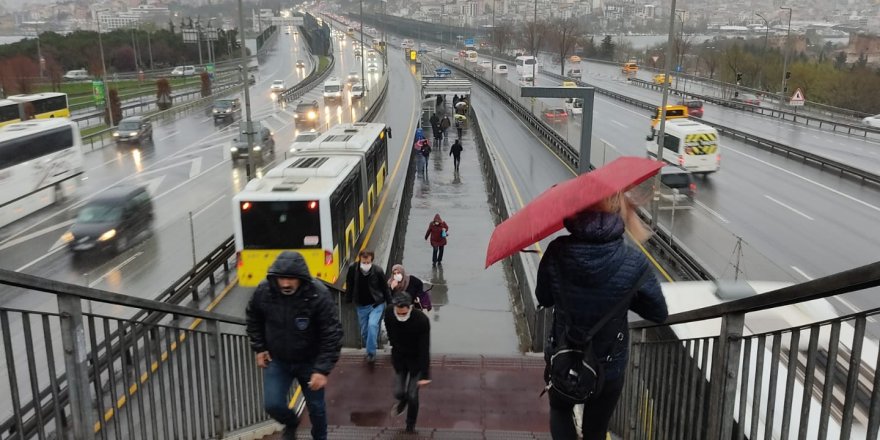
(587, 275)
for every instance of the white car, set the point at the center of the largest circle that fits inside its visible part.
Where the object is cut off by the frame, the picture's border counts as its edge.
(353, 77)
(372, 67)
(277, 86)
(76, 75)
(501, 69)
(872, 121)
(183, 71)
(357, 91)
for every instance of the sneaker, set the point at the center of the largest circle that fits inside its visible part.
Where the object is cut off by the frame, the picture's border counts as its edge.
(288, 434)
(371, 359)
(398, 408)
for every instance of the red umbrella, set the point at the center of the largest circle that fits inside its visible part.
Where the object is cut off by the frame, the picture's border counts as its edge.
(544, 215)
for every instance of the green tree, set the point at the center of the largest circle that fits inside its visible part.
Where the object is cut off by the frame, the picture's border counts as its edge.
(606, 49)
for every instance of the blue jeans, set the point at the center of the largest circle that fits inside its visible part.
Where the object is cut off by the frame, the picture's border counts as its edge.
(277, 379)
(369, 318)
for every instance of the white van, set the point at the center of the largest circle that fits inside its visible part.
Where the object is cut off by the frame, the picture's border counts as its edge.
(690, 145)
(333, 89)
(76, 75)
(501, 69)
(183, 71)
(574, 73)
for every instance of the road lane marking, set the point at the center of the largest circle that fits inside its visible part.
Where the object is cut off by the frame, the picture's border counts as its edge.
(196, 214)
(115, 269)
(618, 123)
(153, 185)
(712, 211)
(195, 167)
(37, 260)
(170, 135)
(820, 185)
(803, 274)
(16, 241)
(789, 207)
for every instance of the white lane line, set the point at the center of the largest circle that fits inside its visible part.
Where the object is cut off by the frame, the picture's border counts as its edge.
(153, 185)
(170, 135)
(115, 269)
(789, 207)
(712, 211)
(825, 187)
(206, 120)
(195, 167)
(196, 214)
(16, 241)
(618, 123)
(803, 274)
(22, 268)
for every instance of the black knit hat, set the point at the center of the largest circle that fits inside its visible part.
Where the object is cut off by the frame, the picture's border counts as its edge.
(402, 299)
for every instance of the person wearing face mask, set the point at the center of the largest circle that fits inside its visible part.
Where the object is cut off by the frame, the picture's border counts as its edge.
(409, 332)
(411, 284)
(365, 286)
(295, 332)
(437, 232)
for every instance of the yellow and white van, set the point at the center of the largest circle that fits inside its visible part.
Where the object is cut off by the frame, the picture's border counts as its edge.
(690, 145)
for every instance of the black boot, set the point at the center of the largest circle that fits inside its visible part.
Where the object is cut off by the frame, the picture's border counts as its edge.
(410, 427)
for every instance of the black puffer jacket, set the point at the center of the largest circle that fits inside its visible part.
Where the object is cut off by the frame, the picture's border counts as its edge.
(594, 268)
(298, 328)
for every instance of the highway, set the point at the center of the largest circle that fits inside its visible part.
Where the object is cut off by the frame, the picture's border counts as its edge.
(187, 170)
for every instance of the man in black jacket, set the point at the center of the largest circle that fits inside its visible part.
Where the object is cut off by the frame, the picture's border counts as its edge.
(409, 333)
(455, 152)
(293, 328)
(366, 286)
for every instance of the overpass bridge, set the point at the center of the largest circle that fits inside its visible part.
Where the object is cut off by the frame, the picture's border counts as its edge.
(154, 369)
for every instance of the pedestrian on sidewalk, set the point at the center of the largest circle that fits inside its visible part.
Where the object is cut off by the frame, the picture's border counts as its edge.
(294, 329)
(400, 282)
(365, 286)
(445, 123)
(435, 122)
(438, 136)
(409, 333)
(454, 100)
(421, 161)
(455, 152)
(426, 154)
(459, 126)
(584, 276)
(439, 101)
(437, 231)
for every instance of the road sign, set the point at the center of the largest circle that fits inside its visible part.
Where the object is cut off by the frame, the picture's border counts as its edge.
(797, 99)
(469, 42)
(210, 69)
(655, 57)
(98, 92)
(678, 68)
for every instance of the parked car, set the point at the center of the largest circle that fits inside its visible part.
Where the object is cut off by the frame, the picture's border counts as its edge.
(556, 115)
(307, 113)
(111, 221)
(263, 138)
(76, 75)
(695, 107)
(357, 91)
(302, 140)
(746, 98)
(872, 121)
(226, 108)
(133, 129)
(183, 71)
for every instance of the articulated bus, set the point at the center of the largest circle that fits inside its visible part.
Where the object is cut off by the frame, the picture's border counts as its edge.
(36, 106)
(39, 163)
(317, 202)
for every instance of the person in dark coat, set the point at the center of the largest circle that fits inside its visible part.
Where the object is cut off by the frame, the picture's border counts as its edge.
(400, 282)
(439, 101)
(435, 122)
(437, 232)
(455, 152)
(409, 333)
(438, 136)
(366, 287)
(454, 100)
(594, 268)
(445, 123)
(294, 329)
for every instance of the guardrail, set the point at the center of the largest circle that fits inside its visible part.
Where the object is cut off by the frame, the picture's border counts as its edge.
(757, 141)
(309, 83)
(687, 266)
(839, 127)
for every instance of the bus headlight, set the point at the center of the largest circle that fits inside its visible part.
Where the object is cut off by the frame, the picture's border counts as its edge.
(107, 235)
(312, 115)
(67, 237)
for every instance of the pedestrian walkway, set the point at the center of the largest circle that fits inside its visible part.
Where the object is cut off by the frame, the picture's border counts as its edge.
(472, 306)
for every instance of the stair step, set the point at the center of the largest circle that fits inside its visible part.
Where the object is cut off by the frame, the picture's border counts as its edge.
(357, 433)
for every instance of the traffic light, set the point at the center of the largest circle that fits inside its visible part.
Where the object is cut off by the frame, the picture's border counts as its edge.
(739, 77)
(788, 75)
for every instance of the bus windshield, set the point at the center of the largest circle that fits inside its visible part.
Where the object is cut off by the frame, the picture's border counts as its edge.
(331, 89)
(280, 225)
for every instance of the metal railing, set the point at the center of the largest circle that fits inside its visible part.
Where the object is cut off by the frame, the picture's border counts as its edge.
(721, 380)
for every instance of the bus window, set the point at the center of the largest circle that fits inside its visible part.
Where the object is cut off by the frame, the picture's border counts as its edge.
(9, 112)
(281, 225)
(25, 149)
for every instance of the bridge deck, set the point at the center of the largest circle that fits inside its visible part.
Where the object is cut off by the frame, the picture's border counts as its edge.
(475, 396)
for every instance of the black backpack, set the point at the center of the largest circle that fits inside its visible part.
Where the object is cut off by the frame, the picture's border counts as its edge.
(575, 372)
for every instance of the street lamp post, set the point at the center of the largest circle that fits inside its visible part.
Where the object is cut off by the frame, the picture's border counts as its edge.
(678, 68)
(495, 40)
(662, 133)
(363, 50)
(104, 72)
(535, 49)
(247, 95)
(764, 52)
(785, 59)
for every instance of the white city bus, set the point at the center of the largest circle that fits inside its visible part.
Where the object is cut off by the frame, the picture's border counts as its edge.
(39, 162)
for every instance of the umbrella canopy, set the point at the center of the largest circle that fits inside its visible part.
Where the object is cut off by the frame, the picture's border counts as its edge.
(544, 215)
(460, 104)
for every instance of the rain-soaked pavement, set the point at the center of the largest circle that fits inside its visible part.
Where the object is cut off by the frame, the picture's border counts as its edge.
(472, 305)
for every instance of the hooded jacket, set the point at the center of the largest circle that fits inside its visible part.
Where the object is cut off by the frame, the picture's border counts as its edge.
(586, 274)
(298, 328)
(435, 231)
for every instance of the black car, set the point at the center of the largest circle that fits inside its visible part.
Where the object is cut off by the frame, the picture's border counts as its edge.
(227, 108)
(307, 113)
(677, 185)
(263, 141)
(134, 129)
(111, 221)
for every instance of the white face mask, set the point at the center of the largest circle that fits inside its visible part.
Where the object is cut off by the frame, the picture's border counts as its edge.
(404, 317)
(398, 277)
(365, 267)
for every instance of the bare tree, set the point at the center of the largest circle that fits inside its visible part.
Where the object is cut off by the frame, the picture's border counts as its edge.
(563, 36)
(534, 35)
(502, 36)
(711, 58)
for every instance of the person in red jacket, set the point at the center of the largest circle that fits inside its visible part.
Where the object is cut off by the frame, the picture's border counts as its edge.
(437, 231)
